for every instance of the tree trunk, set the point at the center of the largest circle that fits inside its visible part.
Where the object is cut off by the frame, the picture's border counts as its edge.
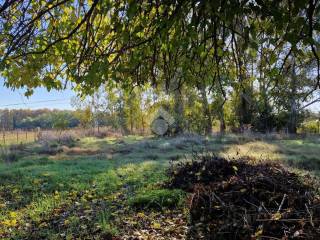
(222, 121)
(122, 115)
(243, 106)
(131, 121)
(142, 124)
(292, 124)
(178, 110)
(206, 110)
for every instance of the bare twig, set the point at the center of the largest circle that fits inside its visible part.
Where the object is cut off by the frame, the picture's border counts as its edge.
(281, 204)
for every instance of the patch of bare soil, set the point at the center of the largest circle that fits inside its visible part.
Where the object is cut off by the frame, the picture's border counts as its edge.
(240, 200)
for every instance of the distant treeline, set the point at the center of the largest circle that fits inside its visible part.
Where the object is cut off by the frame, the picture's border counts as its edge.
(43, 118)
(128, 116)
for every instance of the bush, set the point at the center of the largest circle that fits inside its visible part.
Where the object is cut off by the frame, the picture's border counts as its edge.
(158, 199)
(17, 147)
(67, 140)
(309, 127)
(7, 156)
(50, 148)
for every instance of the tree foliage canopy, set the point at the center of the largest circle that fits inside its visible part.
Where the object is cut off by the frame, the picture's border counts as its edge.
(90, 42)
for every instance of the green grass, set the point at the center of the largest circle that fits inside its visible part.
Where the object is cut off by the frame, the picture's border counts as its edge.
(87, 189)
(41, 189)
(158, 198)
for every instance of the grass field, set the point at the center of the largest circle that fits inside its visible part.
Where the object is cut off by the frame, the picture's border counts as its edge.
(114, 186)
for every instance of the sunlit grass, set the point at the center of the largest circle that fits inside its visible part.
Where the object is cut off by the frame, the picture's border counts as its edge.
(70, 194)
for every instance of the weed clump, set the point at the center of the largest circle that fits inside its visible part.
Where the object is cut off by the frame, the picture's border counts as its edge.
(157, 199)
(50, 148)
(242, 200)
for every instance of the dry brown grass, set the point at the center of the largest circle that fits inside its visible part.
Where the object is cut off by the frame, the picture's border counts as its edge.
(16, 137)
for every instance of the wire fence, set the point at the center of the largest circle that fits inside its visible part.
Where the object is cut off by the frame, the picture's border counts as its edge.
(18, 136)
(29, 136)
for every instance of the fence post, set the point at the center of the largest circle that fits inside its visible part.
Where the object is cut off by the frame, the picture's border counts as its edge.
(17, 136)
(38, 133)
(4, 137)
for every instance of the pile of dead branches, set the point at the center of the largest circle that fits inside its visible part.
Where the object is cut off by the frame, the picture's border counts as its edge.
(241, 200)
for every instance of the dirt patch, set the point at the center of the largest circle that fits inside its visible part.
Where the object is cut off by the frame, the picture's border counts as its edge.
(240, 200)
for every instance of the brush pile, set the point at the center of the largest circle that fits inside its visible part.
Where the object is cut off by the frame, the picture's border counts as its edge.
(241, 200)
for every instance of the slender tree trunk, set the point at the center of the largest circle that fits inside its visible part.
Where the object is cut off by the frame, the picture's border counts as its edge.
(243, 104)
(265, 114)
(206, 110)
(142, 124)
(222, 120)
(292, 124)
(131, 119)
(178, 110)
(122, 114)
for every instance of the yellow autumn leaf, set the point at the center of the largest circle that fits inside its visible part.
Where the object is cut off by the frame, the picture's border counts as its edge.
(276, 216)
(156, 225)
(13, 214)
(141, 215)
(258, 233)
(9, 223)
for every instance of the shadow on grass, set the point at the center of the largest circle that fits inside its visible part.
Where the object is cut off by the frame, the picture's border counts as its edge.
(43, 195)
(66, 194)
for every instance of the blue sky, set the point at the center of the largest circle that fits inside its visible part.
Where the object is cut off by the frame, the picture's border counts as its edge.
(40, 99)
(315, 107)
(52, 100)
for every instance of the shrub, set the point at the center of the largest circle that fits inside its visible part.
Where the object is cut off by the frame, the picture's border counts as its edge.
(49, 148)
(7, 155)
(309, 127)
(67, 140)
(17, 147)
